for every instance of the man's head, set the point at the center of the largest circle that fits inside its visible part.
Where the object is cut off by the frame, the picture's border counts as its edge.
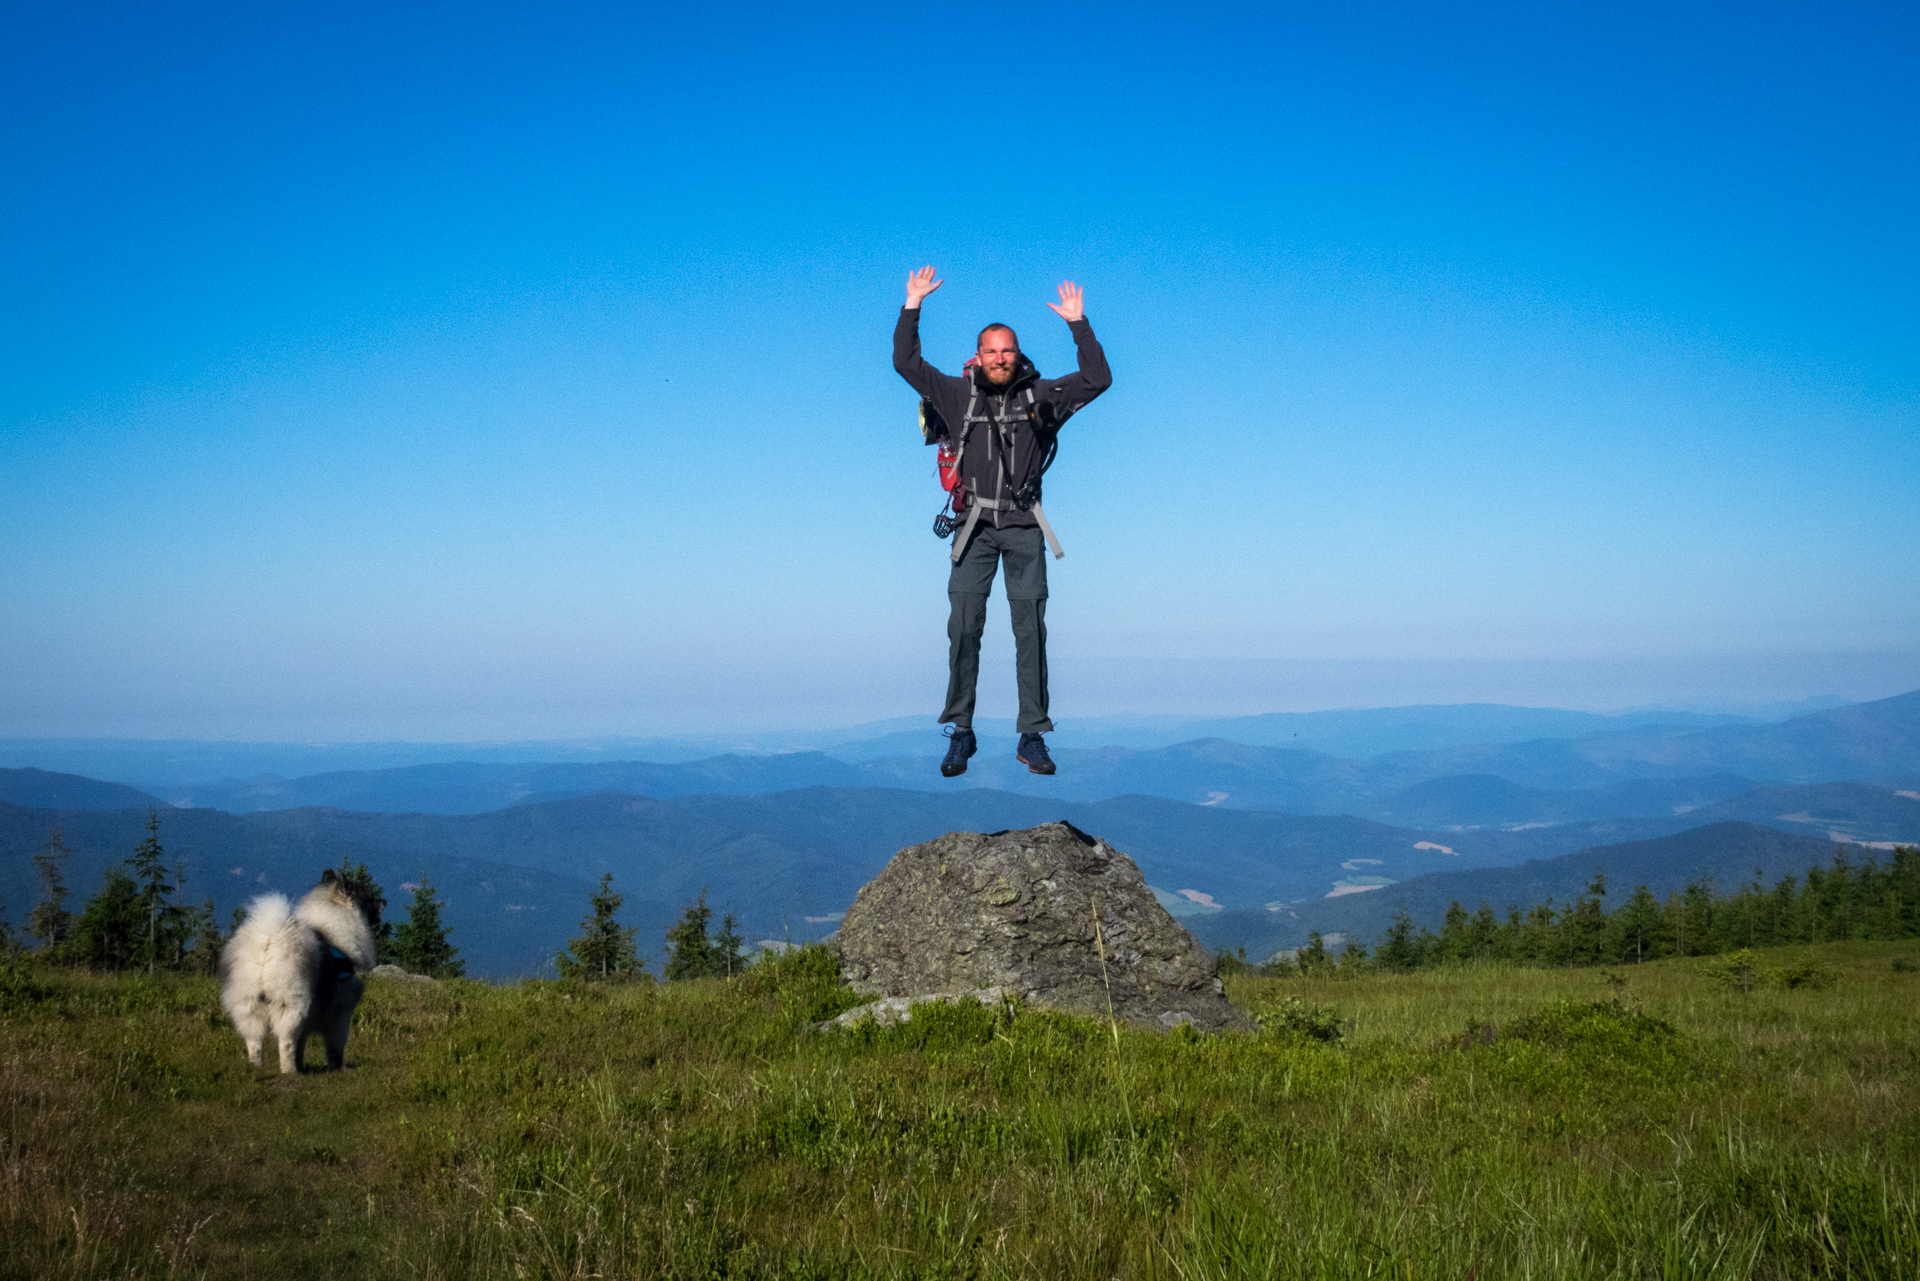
(999, 353)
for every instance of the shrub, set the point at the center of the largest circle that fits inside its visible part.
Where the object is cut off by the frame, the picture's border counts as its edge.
(1603, 1028)
(1279, 966)
(804, 980)
(17, 988)
(1806, 974)
(1233, 963)
(1295, 1019)
(1739, 969)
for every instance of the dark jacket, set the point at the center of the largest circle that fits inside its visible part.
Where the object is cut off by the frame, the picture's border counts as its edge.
(980, 468)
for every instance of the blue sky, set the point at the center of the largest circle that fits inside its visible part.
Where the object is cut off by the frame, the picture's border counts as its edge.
(485, 372)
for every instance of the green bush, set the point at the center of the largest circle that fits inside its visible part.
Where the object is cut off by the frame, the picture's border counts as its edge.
(1611, 1028)
(1806, 974)
(1297, 1020)
(18, 990)
(1740, 970)
(804, 983)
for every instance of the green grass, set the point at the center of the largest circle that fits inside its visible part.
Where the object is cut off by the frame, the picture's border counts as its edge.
(1471, 1123)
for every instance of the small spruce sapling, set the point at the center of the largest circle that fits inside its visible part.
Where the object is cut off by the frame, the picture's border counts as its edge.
(112, 924)
(605, 950)
(420, 945)
(166, 924)
(204, 956)
(728, 959)
(50, 922)
(1313, 958)
(690, 953)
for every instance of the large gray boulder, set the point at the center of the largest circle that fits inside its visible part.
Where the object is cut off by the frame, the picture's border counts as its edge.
(1015, 910)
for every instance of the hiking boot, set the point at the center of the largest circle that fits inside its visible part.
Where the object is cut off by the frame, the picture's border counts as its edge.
(1032, 753)
(960, 745)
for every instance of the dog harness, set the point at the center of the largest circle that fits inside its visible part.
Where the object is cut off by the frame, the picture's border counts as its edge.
(342, 964)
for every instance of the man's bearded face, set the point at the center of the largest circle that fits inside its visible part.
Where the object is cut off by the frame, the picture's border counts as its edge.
(999, 353)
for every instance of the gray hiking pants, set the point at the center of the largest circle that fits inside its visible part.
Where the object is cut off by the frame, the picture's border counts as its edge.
(1024, 554)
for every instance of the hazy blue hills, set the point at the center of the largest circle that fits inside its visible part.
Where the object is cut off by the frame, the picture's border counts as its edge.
(1863, 812)
(152, 764)
(1641, 772)
(1487, 800)
(1375, 731)
(468, 787)
(1878, 740)
(1647, 770)
(49, 790)
(1358, 732)
(1728, 853)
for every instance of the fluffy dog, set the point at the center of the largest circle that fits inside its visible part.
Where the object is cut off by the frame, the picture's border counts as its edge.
(293, 969)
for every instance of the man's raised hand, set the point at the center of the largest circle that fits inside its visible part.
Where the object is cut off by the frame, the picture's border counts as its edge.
(1073, 303)
(919, 285)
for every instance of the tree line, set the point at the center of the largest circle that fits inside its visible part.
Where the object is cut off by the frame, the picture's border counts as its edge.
(140, 920)
(1843, 900)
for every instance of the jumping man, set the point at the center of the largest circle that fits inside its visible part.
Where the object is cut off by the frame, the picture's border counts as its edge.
(1003, 417)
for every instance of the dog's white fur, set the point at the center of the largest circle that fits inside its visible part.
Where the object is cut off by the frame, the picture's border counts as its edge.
(277, 974)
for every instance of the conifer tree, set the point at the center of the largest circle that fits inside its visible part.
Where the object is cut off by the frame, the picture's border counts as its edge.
(690, 953)
(726, 948)
(1313, 957)
(50, 921)
(166, 924)
(420, 944)
(1586, 924)
(204, 956)
(112, 924)
(1399, 949)
(1640, 927)
(605, 950)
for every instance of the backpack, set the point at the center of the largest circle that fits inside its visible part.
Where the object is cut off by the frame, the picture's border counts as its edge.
(960, 512)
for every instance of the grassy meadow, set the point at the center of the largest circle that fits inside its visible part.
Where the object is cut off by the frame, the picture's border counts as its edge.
(1465, 1123)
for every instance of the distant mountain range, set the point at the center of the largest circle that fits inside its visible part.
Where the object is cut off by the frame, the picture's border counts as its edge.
(1250, 843)
(1646, 772)
(787, 863)
(155, 764)
(47, 790)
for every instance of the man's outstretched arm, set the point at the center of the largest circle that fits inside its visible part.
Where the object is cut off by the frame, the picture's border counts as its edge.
(907, 361)
(1076, 389)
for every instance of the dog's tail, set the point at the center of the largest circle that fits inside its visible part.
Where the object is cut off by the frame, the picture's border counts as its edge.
(266, 961)
(266, 916)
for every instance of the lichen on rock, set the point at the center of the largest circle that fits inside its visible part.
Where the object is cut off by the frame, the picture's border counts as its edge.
(1017, 910)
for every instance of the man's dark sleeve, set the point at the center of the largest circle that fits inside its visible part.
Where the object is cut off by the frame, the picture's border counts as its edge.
(907, 361)
(1093, 376)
